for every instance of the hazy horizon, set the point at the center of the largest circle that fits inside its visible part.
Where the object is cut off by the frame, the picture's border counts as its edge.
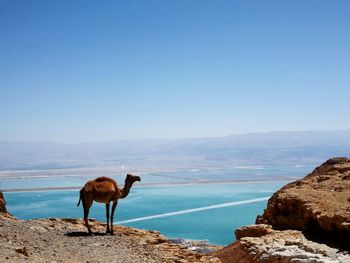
(182, 138)
(275, 148)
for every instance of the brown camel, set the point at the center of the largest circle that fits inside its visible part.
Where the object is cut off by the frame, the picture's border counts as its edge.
(104, 190)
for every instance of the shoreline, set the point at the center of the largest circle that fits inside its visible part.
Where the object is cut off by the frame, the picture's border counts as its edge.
(116, 171)
(156, 184)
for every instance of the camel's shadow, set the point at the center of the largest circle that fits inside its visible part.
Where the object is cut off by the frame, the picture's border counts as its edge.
(84, 234)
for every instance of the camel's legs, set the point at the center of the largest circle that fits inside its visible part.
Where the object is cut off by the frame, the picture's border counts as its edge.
(107, 215)
(86, 205)
(114, 205)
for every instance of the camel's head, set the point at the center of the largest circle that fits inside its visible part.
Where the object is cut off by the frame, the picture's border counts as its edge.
(132, 178)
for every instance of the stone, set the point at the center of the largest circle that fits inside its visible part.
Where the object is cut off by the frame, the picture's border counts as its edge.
(253, 231)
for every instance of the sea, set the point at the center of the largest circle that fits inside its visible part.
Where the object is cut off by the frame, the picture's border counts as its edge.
(194, 204)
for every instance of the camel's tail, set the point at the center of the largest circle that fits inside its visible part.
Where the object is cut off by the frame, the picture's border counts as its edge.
(80, 197)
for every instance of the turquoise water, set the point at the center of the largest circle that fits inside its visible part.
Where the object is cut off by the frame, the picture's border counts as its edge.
(216, 225)
(42, 182)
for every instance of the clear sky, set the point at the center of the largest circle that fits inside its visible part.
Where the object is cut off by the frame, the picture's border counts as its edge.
(76, 71)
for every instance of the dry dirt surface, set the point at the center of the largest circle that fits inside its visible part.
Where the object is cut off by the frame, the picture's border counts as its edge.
(66, 240)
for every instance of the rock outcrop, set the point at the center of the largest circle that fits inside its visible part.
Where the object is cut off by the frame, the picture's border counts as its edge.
(318, 204)
(2, 204)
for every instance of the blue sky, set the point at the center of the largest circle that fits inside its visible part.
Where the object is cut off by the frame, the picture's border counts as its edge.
(76, 71)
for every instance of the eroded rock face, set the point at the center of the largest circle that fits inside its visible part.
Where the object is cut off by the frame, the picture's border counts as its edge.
(318, 202)
(2, 204)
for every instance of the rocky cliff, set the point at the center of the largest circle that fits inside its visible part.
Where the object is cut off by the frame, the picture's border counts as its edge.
(318, 204)
(305, 221)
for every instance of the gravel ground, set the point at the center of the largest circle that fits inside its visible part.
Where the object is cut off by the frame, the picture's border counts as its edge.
(66, 240)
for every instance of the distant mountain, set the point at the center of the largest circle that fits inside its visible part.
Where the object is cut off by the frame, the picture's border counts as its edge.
(307, 147)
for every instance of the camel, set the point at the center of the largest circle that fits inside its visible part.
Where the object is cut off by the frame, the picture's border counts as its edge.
(104, 190)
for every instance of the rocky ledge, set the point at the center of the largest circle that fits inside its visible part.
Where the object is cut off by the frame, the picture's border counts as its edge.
(66, 240)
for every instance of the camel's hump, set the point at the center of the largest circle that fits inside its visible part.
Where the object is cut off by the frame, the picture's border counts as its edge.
(103, 179)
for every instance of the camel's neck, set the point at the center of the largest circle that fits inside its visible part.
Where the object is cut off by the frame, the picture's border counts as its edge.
(125, 191)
